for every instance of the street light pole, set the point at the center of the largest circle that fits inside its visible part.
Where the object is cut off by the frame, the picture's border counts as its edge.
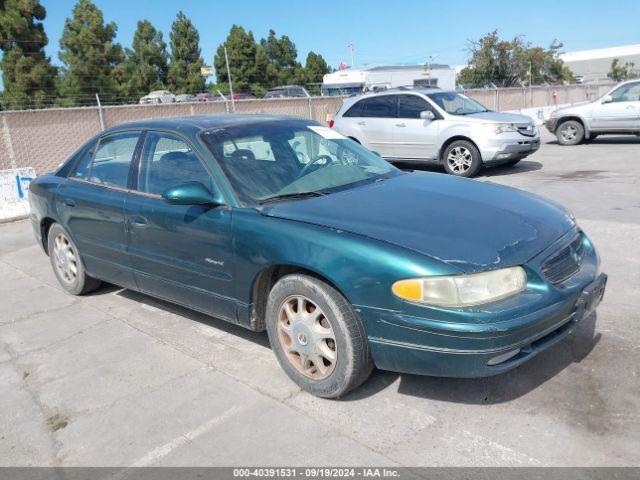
(226, 59)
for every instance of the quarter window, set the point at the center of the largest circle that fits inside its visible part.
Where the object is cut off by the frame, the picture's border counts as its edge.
(111, 162)
(168, 161)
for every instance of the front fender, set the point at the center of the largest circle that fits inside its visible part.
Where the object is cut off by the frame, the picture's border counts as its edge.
(363, 269)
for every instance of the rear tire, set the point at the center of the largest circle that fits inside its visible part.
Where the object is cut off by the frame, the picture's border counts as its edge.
(570, 132)
(462, 159)
(67, 263)
(309, 322)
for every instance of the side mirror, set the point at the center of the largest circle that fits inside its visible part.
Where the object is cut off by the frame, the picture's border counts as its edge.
(607, 99)
(190, 193)
(427, 115)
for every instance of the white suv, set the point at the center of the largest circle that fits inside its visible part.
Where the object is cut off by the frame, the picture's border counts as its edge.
(616, 112)
(432, 125)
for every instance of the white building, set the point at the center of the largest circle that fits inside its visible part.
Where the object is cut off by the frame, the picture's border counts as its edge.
(353, 81)
(593, 65)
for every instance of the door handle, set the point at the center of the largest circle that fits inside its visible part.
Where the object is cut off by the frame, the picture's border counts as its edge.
(401, 125)
(362, 123)
(138, 221)
(629, 107)
(69, 202)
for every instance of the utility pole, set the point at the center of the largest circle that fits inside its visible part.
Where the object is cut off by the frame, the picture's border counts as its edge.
(530, 78)
(226, 59)
(351, 51)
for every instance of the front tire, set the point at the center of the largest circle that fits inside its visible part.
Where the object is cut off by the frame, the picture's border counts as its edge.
(67, 263)
(316, 336)
(570, 132)
(462, 159)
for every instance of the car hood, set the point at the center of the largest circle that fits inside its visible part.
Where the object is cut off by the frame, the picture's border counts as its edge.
(499, 117)
(580, 106)
(469, 224)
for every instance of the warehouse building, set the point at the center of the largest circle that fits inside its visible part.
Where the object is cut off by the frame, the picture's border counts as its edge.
(593, 65)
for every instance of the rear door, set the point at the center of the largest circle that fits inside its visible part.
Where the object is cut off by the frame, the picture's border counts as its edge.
(371, 121)
(90, 204)
(622, 113)
(413, 137)
(180, 253)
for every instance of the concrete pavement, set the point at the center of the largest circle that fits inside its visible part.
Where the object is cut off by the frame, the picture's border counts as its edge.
(117, 378)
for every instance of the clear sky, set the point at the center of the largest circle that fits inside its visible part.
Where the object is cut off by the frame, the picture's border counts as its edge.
(388, 31)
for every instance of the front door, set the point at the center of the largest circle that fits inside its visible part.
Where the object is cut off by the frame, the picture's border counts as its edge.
(622, 113)
(91, 206)
(181, 253)
(413, 137)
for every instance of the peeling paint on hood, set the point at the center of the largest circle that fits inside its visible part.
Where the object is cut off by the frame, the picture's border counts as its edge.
(469, 224)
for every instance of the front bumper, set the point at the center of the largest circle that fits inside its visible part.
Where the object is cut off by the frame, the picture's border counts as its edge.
(502, 150)
(492, 339)
(551, 125)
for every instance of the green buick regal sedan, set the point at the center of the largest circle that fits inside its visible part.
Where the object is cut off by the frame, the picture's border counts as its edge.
(284, 225)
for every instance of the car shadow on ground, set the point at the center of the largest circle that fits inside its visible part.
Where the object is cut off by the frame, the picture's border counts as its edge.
(491, 390)
(479, 391)
(259, 338)
(613, 140)
(521, 167)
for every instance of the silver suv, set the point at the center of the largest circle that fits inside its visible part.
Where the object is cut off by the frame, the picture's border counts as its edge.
(432, 125)
(616, 112)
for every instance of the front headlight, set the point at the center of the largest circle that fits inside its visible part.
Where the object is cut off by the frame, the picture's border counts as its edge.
(462, 290)
(505, 127)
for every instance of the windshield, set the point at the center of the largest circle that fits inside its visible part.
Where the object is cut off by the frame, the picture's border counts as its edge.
(456, 104)
(267, 160)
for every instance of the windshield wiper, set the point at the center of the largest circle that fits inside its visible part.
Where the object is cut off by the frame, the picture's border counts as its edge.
(291, 196)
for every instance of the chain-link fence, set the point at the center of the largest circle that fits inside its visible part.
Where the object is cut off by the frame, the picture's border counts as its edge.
(42, 139)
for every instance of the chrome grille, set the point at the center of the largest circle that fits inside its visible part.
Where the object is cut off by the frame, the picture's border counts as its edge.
(564, 264)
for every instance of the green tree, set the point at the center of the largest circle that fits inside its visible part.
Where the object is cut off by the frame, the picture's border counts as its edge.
(315, 68)
(282, 58)
(27, 74)
(92, 61)
(184, 74)
(511, 63)
(146, 64)
(619, 71)
(247, 61)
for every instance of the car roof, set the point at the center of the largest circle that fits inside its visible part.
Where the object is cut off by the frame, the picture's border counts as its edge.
(197, 123)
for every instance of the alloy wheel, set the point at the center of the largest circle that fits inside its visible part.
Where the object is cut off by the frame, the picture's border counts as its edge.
(65, 258)
(306, 335)
(459, 159)
(569, 133)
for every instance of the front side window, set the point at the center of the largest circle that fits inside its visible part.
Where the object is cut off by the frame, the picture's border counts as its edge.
(304, 158)
(110, 163)
(456, 104)
(410, 106)
(168, 161)
(627, 93)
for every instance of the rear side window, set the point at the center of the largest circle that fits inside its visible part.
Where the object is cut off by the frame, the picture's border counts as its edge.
(111, 161)
(168, 161)
(410, 106)
(384, 106)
